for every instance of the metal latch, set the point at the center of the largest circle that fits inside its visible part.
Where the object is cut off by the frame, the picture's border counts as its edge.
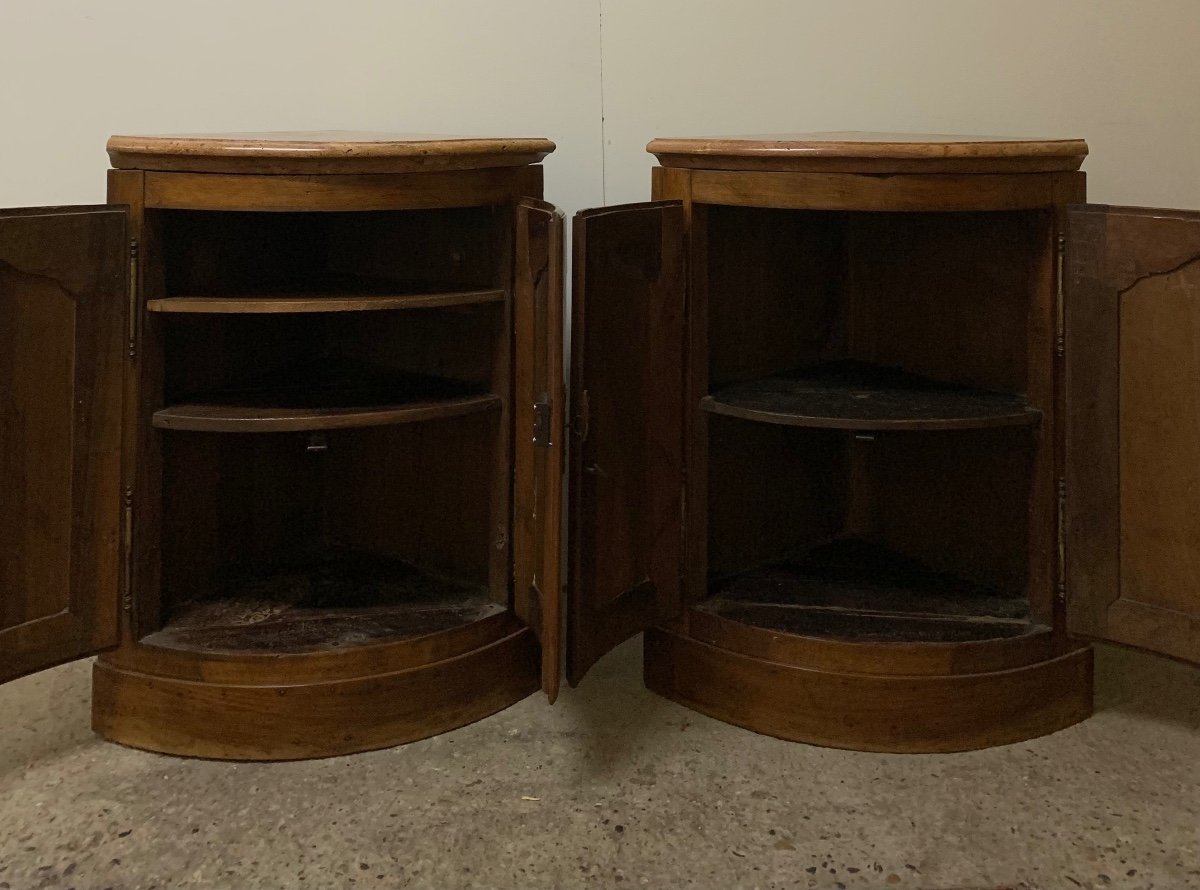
(541, 423)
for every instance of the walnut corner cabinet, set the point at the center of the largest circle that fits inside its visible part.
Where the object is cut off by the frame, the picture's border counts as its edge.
(279, 436)
(872, 433)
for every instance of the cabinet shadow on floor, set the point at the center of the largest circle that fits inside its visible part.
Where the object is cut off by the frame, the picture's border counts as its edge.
(612, 716)
(1148, 686)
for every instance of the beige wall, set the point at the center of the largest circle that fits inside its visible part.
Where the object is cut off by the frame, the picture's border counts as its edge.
(74, 71)
(1123, 74)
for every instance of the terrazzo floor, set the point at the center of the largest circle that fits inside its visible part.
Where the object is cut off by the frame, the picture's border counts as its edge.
(613, 787)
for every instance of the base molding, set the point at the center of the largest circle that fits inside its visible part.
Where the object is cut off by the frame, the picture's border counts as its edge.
(865, 712)
(275, 721)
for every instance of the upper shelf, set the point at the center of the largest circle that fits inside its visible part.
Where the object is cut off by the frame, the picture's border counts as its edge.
(361, 298)
(323, 399)
(852, 395)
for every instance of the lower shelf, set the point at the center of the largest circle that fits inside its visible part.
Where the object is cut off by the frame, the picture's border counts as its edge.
(326, 398)
(332, 603)
(857, 591)
(854, 395)
(840, 709)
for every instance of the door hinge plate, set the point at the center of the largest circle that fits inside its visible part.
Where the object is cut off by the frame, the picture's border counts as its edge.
(127, 551)
(542, 429)
(1060, 328)
(1060, 593)
(133, 296)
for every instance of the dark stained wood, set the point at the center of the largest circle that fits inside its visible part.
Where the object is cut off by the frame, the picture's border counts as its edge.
(1133, 433)
(854, 575)
(287, 721)
(772, 492)
(855, 624)
(858, 656)
(627, 447)
(852, 191)
(324, 302)
(245, 504)
(539, 442)
(63, 298)
(313, 665)
(346, 192)
(864, 712)
(325, 395)
(275, 412)
(385, 253)
(347, 599)
(856, 395)
(772, 293)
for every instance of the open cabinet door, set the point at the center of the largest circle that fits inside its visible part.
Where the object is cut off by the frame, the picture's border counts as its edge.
(625, 537)
(1132, 530)
(63, 287)
(540, 441)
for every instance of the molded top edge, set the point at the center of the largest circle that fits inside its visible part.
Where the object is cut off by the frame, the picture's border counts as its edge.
(882, 149)
(322, 151)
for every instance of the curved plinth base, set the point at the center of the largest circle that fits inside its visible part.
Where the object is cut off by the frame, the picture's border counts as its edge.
(321, 718)
(864, 712)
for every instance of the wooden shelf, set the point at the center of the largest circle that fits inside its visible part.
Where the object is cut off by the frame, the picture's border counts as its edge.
(330, 603)
(353, 296)
(857, 591)
(324, 399)
(859, 396)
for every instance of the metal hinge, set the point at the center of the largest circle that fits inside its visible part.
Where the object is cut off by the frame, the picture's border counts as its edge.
(133, 297)
(583, 412)
(542, 435)
(1060, 328)
(127, 551)
(1060, 593)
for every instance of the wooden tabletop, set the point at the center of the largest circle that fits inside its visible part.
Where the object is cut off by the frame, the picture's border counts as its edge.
(865, 152)
(327, 151)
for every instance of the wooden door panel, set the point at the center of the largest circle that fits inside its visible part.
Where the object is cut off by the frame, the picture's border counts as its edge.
(540, 429)
(627, 445)
(1133, 428)
(62, 310)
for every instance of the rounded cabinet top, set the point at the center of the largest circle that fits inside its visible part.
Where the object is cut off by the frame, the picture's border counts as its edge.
(328, 151)
(863, 152)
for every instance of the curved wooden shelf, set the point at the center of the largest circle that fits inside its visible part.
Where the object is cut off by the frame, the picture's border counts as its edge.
(326, 395)
(204, 417)
(332, 602)
(322, 302)
(858, 396)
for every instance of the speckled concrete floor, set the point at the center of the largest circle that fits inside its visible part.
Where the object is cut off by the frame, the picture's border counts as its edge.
(611, 787)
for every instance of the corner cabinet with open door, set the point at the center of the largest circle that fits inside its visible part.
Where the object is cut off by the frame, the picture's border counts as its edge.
(867, 438)
(281, 435)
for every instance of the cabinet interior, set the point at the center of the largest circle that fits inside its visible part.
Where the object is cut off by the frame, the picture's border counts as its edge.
(871, 444)
(332, 469)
